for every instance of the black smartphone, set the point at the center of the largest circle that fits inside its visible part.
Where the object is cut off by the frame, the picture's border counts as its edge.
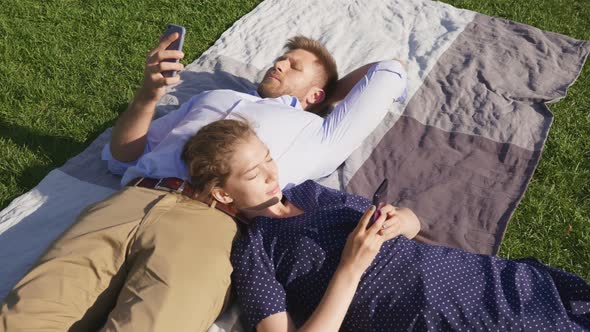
(175, 45)
(379, 197)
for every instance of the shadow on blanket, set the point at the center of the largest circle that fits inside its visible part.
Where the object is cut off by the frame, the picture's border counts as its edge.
(195, 82)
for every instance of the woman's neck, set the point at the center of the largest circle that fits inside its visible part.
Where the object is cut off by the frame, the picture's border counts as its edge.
(283, 209)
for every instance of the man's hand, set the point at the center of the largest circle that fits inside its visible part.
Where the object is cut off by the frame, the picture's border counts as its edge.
(154, 83)
(129, 134)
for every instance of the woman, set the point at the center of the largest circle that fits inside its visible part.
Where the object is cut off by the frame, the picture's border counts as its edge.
(312, 258)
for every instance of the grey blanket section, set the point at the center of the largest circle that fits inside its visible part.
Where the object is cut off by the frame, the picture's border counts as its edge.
(462, 154)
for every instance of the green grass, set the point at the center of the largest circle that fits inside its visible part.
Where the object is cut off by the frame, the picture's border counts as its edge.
(70, 67)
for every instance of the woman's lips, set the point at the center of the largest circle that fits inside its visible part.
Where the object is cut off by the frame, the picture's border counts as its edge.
(274, 191)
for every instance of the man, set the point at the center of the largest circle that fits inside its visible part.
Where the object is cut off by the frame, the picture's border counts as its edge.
(151, 257)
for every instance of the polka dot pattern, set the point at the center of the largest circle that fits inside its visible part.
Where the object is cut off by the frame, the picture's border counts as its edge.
(286, 265)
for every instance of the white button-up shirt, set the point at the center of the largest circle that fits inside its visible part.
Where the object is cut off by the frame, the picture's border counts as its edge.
(304, 145)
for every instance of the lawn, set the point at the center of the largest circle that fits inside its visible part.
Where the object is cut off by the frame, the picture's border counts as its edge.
(70, 67)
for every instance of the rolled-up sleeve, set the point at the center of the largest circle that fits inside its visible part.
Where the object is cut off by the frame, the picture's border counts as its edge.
(159, 129)
(115, 166)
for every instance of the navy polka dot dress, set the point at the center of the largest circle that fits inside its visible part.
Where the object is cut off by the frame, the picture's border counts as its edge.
(286, 265)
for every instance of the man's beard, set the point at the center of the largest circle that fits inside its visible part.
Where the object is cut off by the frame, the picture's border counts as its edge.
(266, 90)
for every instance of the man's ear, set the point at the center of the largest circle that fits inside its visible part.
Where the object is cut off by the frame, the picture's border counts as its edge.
(315, 96)
(221, 195)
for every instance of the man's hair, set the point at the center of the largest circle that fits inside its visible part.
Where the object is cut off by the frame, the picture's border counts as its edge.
(330, 75)
(208, 153)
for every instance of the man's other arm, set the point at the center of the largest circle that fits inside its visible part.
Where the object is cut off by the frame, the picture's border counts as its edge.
(359, 113)
(344, 85)
(129, 135)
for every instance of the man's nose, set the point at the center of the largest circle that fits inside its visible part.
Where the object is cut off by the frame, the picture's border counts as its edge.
(280, 65)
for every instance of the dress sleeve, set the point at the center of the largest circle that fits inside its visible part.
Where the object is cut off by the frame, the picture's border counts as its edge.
(158, 130)
(355, 117)
(259, 293)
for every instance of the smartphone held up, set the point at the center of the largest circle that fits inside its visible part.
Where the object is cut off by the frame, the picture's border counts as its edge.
(175, 45)
(379, 197)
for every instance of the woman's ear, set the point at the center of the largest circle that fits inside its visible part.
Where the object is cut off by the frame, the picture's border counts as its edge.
(221, 195)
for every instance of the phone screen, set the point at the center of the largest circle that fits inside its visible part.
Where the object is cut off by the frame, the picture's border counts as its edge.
(380, 193)
(379, 197)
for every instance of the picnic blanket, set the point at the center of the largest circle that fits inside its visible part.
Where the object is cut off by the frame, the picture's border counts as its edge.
(460, 151)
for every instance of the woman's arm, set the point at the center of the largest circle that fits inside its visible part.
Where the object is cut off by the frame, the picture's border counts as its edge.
(361, 247)
(329, 314)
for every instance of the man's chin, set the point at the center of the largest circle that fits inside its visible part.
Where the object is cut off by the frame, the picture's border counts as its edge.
(266, 92)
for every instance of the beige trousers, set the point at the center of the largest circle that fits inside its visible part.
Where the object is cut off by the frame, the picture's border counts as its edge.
(141, 260)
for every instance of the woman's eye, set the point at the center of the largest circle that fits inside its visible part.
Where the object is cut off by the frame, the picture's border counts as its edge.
(253, 177)
(269, 160)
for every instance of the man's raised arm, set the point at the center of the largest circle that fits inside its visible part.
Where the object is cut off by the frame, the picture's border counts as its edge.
(358, 114)
(344, 85)
(129, 135)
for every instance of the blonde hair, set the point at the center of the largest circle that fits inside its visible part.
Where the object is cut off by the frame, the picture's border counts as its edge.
(330, 74)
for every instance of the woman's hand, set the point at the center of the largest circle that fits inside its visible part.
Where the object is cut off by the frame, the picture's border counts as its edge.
(399, 221)
(361, 247)
(363, 244)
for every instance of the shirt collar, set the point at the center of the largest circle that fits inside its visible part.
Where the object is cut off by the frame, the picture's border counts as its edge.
(285, 99)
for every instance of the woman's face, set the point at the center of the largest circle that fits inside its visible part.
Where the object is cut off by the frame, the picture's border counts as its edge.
(253, 181)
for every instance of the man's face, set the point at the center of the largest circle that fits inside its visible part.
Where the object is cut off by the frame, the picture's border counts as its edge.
(294, 74)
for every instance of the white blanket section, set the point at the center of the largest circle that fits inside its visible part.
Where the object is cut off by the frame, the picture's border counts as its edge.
(356, 32)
